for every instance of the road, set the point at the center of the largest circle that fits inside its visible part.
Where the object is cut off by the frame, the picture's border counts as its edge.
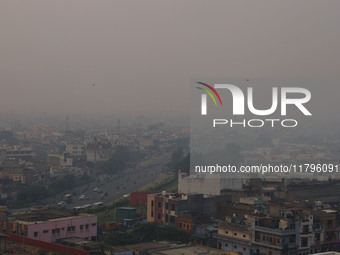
(116, 186)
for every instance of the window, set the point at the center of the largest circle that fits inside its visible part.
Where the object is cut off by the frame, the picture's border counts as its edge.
(166, 217)
(152, 202)
(244, 236)
(184, 225)
(58, 230)
(172, 219)
(53, 231)
(188, 227)
(93, 224)
(235, 234)
(159, 204)
(159, 216)
(235, 246)
(35, 234)
(167, 206)
(305, 229)
(45, 231)
(226, 232)
(71, 228)
(81, 227)
(226, 245)
(329, 236)
(87, 226)
(329, 223)
(173, 207)
(317, 237)
(304, 242)
(151, 213)
(244, 249)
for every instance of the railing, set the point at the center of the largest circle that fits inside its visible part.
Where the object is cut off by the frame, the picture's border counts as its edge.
(231, 238)
(275, 246)
(276, 231)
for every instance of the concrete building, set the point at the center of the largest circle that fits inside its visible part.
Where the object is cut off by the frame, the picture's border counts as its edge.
(235, 235)
(14, 169)
(275, 236)
(20, 153)
(164, 208)
(200, 184)
(50, 226)
(329, 239)
(75, 149)
(98, 151)
(306, 235)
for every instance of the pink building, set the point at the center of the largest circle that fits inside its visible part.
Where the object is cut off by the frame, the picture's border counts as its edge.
(50, 230)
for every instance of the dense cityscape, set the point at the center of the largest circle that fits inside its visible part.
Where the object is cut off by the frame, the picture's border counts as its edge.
(129, 190)
(169, 127)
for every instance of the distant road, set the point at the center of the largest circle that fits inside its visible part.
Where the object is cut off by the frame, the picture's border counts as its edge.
(116, 186)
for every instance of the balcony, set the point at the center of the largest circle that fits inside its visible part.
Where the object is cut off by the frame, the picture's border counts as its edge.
(231, 238)
(274, 231)
(275, 246)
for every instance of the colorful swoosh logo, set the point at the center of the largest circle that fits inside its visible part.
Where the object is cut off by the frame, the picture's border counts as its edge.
(209, 93)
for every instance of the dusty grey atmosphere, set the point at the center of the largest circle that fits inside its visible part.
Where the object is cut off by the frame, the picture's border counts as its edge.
(138, 57)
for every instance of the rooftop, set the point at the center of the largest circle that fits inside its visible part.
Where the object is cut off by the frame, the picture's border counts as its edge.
(43, 215)
(187, 250)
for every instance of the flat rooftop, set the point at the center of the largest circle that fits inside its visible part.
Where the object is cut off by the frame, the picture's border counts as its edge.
(45, 215)
(53, 219)
(188, 250)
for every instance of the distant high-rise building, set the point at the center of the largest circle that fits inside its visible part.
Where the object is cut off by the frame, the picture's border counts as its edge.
(67, 123)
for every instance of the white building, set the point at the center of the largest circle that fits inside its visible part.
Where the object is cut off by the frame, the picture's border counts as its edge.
(199, 184)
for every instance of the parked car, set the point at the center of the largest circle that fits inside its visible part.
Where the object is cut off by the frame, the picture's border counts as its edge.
(83, 197)
(62, 204)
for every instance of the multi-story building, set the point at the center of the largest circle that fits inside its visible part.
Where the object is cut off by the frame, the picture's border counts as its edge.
(235, 235)
(75, 149)
(275, 236)
(98, 151)
(164, 208)
(329, 236)
(187, 221)
(20, 153)
(13, 169)
(200, 184)
(306, 236)
(49, 226)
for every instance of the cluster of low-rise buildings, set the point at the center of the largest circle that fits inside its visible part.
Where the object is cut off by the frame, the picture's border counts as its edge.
(250, 225)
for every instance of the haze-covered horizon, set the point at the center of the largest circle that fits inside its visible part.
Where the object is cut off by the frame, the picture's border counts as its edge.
(117, 58)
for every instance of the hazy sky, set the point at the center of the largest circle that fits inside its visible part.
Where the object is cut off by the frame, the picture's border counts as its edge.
(142, 55)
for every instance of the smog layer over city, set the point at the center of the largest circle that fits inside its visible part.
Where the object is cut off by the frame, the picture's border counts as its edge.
(169, 127)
